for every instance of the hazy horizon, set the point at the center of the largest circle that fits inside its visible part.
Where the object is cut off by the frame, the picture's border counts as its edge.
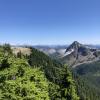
(50, 45)
(53, 22)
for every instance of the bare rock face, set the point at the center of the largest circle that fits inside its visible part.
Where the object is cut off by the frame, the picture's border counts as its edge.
(23, 50)
(77, 54)
(73, 55)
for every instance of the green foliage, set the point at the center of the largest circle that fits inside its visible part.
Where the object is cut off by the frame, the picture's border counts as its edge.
(87, 77)
(35, 77)
(38, 58)
(7, 49)
(63, 89)
(17, 83)
(19, 54)
(68, 86)
(4, 64)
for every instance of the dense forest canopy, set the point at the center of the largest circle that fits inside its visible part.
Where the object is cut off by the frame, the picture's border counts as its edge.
(87, 77)
(34, 77)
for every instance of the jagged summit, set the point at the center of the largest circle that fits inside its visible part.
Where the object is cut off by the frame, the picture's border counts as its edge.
(74, 54)
(78, 53)
(75, 45)
(78, 49)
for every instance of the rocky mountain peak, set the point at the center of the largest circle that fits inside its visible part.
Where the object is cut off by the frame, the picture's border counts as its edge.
(78, 53)
(74, 46)
(75, 43)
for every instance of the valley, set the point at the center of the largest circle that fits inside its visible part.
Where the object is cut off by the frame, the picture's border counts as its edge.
(84, 62)
(74, 54)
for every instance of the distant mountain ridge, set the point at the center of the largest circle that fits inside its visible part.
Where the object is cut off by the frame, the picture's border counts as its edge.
(79, 54)
(74, 54)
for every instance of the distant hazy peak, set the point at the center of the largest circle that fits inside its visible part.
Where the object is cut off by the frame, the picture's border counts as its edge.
(75, 45)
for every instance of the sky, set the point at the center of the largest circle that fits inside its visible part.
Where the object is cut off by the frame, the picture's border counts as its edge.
(49, 22)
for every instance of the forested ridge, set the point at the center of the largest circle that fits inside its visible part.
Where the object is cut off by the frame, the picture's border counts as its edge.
(34, 77)
(87, 78)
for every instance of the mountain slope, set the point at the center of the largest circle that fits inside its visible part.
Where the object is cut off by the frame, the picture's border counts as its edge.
(86, 71)
(77, 54)
(87, 77)
(72, 55)
(33, 77)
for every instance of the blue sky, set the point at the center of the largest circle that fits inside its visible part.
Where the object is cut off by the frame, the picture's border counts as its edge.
(49, 21)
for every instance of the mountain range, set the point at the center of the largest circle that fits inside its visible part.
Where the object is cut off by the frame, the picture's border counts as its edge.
(74, 54)
(83, 61)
